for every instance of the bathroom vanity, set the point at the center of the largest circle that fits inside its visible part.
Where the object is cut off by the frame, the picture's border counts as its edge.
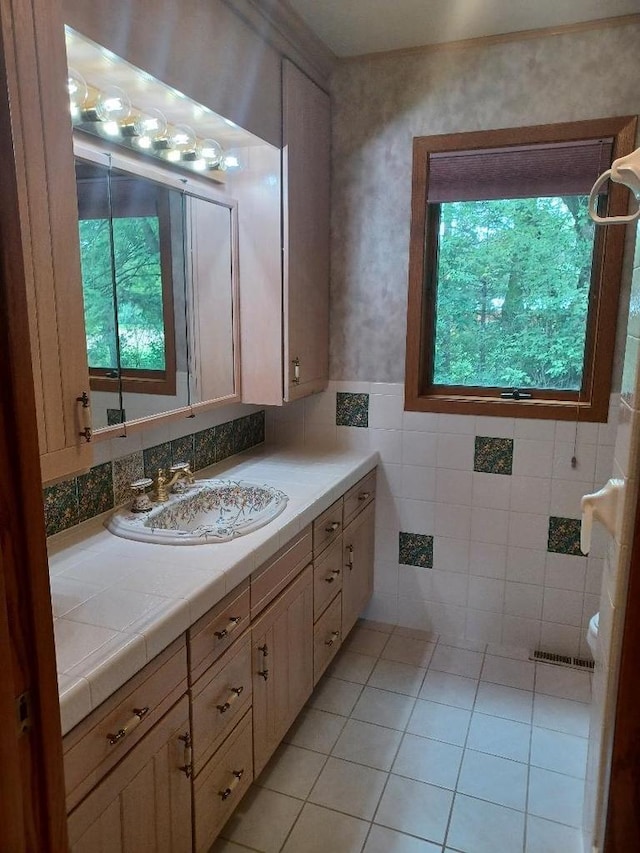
(162, 761)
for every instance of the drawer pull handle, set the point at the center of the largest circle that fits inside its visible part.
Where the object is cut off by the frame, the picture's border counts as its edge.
(233, 621)
(349, 557)
(364, 496)
(138, 715)
(235, 692)
(187, 767)
(237, 776)
(264, 649)
(334, 637)
(329, 579)
(331, 528)
(264, 673)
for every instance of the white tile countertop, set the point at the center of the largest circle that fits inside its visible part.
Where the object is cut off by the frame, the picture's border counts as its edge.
(117, 603)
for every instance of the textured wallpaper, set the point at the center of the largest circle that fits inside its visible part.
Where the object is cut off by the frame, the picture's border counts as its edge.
(381, 104)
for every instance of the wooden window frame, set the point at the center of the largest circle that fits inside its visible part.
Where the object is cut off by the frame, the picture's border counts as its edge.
(591, 403)
(150, 381)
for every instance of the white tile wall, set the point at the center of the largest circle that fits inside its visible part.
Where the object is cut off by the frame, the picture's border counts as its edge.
(492, 578)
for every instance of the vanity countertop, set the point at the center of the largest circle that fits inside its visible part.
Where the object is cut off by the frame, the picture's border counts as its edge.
(117, 603)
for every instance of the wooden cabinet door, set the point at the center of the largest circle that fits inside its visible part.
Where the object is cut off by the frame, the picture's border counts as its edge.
(282, 659)
(306, 198)
(145, 802)
(357, 582)
(50, 248)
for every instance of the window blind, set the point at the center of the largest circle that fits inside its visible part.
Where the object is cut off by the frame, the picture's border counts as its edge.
(519, 171)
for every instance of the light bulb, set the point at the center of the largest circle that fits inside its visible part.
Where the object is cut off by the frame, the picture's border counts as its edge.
(211, 152)
(144, 142)
(199, 165)
(113, 105)
(173, 155)
(151, 124)
(183, 140)
(230, 162)
(78, 92)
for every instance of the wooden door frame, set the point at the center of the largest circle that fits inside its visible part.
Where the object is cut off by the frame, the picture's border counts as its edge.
(32, 807)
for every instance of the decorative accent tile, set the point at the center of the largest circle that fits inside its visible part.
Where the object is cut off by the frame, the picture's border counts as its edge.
(564, 536)
(225, 440)
(204, 445)
(493, 455)
(257, 428)
(182, 450)
(352, 409)
(61, 506)
(125, 471)
(416, 549)
(156, 457)
(95, 491)
(242, 434)
(116, 416)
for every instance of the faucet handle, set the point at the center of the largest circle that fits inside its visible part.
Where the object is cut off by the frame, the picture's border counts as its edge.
(141, 502)
(183, 468)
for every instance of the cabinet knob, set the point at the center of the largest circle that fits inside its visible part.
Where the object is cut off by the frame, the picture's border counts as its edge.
(187, 767)
(364, 496)
(331, 528)
(85, 416)
(264, 649)
(296, 371)
(233, 621)
(235, 692)
(333, 638)
(264, 673)
(349, 557)
(237, 776)
(138, 715)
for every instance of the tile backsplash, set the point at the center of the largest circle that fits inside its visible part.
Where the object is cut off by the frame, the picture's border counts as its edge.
(477, 518)
(106, 485)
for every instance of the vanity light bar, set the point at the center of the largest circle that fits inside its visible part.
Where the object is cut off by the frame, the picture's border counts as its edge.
(109, 112)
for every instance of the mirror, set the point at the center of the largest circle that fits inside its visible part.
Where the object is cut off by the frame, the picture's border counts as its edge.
(158, 269)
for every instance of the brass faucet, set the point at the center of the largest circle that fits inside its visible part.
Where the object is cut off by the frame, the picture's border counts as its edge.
(181, 471)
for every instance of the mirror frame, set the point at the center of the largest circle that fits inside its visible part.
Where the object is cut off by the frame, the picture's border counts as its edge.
(101, 153)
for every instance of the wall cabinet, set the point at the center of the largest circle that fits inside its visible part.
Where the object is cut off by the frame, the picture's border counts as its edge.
(48, 215)
(306, 170)
(184, 738)
(284, 252)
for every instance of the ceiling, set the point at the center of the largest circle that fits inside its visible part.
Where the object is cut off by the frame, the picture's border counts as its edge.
(354, 27)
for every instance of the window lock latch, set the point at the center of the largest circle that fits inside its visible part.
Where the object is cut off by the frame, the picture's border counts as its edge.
(515, 394)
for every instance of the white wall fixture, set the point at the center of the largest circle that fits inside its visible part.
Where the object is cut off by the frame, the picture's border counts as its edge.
(603, 506)
(624, 170)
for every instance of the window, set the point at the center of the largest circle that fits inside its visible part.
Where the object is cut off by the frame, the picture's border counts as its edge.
(513, 291)
(125, 254)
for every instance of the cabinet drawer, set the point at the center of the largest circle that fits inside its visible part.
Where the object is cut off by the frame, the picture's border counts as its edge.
(327, 527)
(327, 637)
(220, 698)
(222, 784)
(279, 571)
(217, 629)
(359, 496)
(327, 577)
(94, 746)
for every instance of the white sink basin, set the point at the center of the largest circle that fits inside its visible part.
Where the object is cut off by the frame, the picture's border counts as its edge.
(209, 511)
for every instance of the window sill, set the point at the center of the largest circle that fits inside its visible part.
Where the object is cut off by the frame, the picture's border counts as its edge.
(540, 408)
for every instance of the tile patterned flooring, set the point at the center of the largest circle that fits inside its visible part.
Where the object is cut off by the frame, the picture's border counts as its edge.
(417, 744)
